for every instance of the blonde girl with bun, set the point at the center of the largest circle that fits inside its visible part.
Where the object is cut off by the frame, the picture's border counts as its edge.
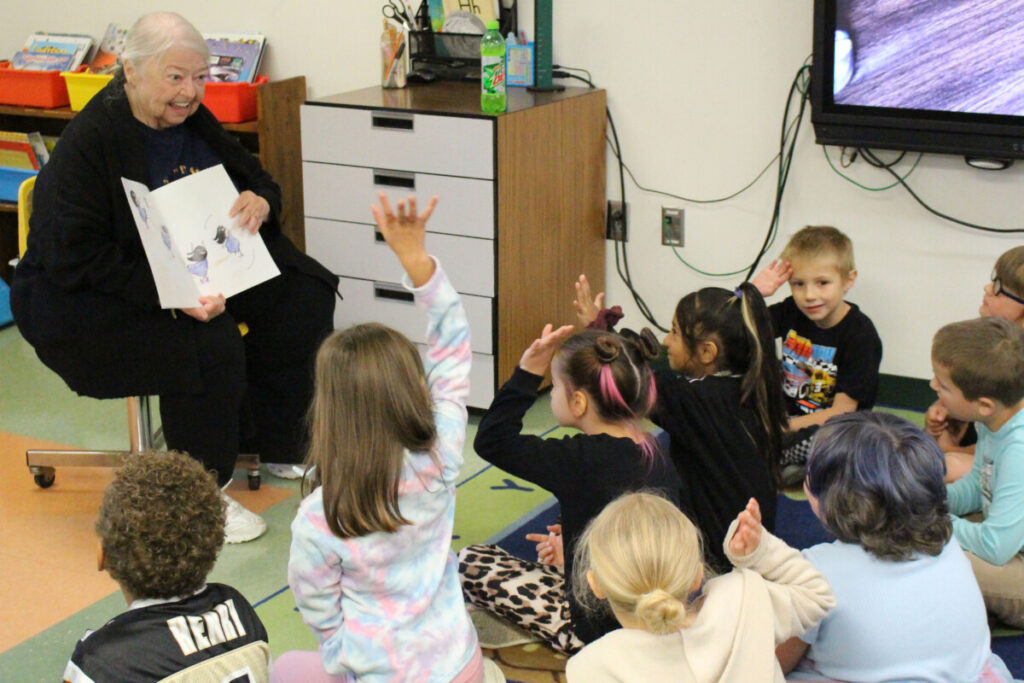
(642, 558)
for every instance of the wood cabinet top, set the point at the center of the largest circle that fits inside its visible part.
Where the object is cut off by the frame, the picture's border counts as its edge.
(444, 97)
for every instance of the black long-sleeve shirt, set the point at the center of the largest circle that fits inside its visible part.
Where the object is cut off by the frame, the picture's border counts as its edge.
(584, 472)
(712, 445)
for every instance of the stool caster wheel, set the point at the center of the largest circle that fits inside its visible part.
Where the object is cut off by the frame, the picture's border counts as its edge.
(44, 477)
(254, 481)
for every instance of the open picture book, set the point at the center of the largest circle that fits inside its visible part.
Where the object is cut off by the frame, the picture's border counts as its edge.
(194, 248)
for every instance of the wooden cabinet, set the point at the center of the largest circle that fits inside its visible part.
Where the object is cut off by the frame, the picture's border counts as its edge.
(274, 136)
(521, 213)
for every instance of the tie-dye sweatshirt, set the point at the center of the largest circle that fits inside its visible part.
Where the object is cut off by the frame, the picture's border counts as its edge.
(388, 607)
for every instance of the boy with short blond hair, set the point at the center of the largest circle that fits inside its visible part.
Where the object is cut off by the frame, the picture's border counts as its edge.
(979, 376)
(161, 525)
(831, 351)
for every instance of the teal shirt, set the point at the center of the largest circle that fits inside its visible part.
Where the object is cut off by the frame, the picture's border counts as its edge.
(994, 487)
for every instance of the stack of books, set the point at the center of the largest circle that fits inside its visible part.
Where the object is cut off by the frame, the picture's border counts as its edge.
(52, 52)
(235, 57)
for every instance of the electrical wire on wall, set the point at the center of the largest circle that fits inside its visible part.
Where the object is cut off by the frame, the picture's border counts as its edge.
(787, 144)
(872, 158)
(801, 87)
(621, 258)
(824, 148)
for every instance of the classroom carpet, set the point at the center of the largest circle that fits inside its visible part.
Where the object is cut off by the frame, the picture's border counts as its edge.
(51, 591)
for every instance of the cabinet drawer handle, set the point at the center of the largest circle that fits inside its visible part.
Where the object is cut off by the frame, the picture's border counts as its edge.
(395, 179)
(392, 121)
(386, 290)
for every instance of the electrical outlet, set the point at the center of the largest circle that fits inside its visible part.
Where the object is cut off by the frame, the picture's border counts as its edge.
(671, 227)
(615, 225)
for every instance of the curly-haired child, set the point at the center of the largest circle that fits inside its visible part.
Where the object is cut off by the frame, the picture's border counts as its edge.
(161, 526)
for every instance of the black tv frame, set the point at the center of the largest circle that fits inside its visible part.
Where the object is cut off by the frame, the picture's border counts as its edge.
(987, 136)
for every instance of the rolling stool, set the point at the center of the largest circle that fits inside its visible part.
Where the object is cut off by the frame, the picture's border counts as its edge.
(41, 463)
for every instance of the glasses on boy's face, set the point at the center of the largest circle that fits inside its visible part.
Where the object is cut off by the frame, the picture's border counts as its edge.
(997, 289)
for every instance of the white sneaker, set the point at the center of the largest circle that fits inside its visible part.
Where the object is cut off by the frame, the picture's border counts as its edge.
(286, 470)
(241, 525)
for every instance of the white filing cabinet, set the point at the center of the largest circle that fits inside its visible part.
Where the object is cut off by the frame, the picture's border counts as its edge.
(521, 212)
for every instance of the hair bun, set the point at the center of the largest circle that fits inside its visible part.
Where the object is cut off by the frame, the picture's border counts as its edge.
(649, 344)
(608, 347)
(660, 611)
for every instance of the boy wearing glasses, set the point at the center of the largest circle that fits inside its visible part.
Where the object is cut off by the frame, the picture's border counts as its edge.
(979, 376)
(1004, 298)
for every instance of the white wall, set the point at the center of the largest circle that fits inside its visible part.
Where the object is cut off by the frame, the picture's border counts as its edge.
(697, 91)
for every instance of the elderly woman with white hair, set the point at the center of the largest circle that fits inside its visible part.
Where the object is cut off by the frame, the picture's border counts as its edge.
(84, 294)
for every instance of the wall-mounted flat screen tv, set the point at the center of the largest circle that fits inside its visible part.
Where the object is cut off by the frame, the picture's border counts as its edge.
(942, 76)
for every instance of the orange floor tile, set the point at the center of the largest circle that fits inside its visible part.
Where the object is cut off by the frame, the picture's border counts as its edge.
(48, 552)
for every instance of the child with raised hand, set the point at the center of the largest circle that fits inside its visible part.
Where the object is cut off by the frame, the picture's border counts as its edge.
(371, 565)
(721, 405)
(601, 385)
(643, 556)
(831, 352)
(1004, 297)
(907, 606)
(161, 525)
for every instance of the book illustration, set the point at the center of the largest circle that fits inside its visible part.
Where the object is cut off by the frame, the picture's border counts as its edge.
(227, 240)
(198, 264)
(209, 252)
(109, 49)
(165, 237)
(141, 208)
(235, 57)
(52, 51)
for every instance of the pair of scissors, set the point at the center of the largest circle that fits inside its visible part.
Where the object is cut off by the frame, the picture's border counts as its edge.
(397, 10)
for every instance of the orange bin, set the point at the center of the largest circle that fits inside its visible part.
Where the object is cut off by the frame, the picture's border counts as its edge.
(45, 89)
(233, 102)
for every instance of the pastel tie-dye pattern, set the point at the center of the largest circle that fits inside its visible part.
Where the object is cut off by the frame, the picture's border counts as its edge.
(388, 607)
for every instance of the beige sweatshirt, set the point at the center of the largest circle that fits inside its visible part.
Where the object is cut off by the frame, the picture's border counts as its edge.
(773, 595)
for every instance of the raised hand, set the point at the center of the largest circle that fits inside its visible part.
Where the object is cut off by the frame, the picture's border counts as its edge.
(936, 419)
(748, 531)
(774, 276)
(537, 356)
(549, 546)
(405, 232)
(587, 307)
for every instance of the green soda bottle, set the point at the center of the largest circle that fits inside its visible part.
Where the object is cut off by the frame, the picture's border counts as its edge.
(492, 70)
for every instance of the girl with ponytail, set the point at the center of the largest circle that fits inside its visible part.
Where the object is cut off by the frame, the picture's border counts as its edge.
(720, 404)
(602, 386)
(641, 557)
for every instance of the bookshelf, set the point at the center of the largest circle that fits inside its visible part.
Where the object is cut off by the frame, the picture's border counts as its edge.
(274, 135)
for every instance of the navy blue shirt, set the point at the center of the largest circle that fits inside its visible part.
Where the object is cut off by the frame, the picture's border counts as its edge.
(174, 153)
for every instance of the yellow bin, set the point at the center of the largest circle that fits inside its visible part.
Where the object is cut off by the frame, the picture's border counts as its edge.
(82, 86)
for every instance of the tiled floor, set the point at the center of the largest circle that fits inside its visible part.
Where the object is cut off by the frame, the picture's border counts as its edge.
(51, 591)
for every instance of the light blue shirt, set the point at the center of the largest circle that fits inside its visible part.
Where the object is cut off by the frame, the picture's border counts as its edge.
(994, 487)
(921, 620)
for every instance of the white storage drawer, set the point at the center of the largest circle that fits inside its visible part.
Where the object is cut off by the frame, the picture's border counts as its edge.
(345, 193)
(426, 143)
(391, 304)
(357, 250)
(481, 379)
